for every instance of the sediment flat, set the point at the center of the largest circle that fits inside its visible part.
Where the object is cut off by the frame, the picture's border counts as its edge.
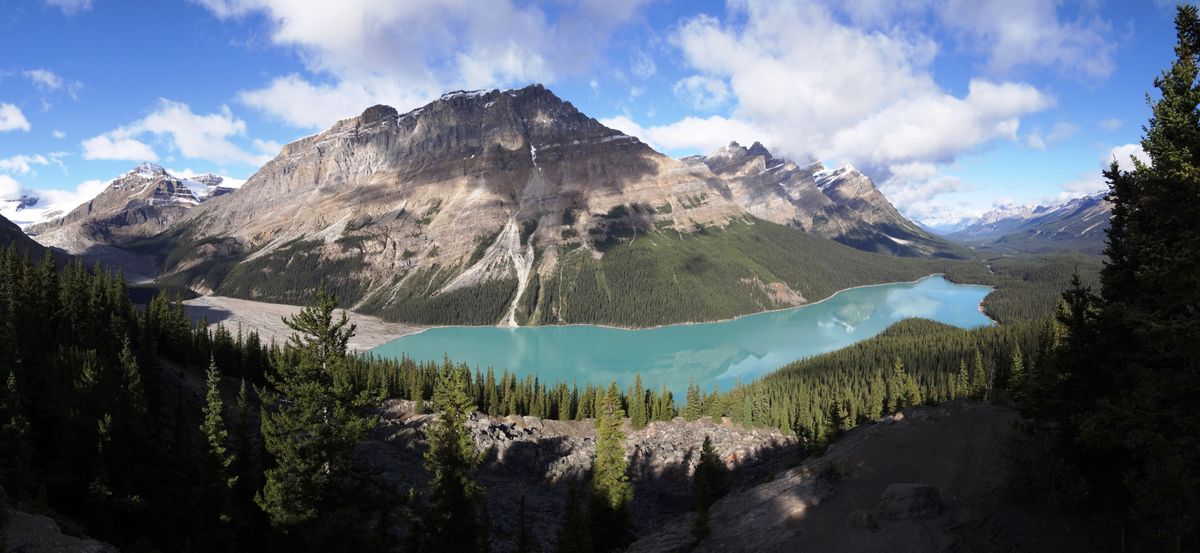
(267, 319)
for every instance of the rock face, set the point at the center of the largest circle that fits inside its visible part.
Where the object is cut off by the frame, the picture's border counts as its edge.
(859, 496)
(910, 502)
(842, 204)
(1077, 225)
(136, 205)
(542, 459)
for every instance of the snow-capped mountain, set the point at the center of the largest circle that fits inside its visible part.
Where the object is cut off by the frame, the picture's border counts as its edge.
(1077, 224)
(138, 203)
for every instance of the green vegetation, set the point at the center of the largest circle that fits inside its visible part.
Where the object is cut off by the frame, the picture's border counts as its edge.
(610, 526)
(1114, 401)
(413, 299)
(451, 519)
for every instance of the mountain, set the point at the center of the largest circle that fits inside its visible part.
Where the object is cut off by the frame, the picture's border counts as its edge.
(842, 204)
(10, 233)
(514, 207)
(1077, 225)
(138, 204)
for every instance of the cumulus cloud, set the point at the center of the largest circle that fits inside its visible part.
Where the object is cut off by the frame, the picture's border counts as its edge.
(116, 146)
(11, 118)
(1124, 156)
(70, 7)
(808, 84)
(44, 79)
(1059, 132)
(702, 93)
(1031, 32)
(407, 53)
(692, 133)
(193, 135)
(22, 164)
(815, 86)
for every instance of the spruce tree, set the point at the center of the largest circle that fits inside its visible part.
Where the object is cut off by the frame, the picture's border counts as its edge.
(708, 485)
(962, 381)
(638, 415)
(611, 489)
(980, 384)
(312, 421)
(693, 409)
(1016, 373)
(450, 461)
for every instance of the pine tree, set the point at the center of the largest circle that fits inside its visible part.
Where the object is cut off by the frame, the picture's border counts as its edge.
(708, 485)
(16, 444)
(693, 409)
(611, 489)
(450, 462)
(312, 422)
(962, 381)
(638, 415)
(980, 383)
(1016, 373)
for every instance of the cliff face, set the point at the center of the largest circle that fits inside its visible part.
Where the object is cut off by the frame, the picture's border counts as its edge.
(841, 204)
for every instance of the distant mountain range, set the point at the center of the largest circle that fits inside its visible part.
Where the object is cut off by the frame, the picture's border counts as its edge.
(506, 206)
(1077, 225)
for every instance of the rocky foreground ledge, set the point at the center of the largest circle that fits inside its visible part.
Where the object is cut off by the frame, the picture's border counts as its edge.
(541, 459)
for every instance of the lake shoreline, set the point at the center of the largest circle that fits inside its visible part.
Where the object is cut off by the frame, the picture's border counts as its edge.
(715, 321)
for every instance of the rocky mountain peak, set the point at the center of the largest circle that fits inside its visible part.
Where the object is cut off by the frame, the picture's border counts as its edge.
(148, 170)
(377, 113)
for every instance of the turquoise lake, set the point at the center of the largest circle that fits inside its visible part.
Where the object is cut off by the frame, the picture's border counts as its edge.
(709, 353)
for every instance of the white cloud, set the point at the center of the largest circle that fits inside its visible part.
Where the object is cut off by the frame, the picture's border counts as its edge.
(1059, 132)
(9, 187)
(58, 134)
(51, 202)
(702, 93)
(111, 146)
(193, 135)
(1110, 124)
(824, 89)
(407, 53)
(300, 103)
(11, 118)
(44, 79)
(1031, 32)
(22, 164)
(643, 65)
(70, 7)
(690, 133)
(1124, 155)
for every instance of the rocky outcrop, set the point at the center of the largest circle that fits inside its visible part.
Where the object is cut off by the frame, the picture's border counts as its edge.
(32, 533)
(863, 495)
(541, 459)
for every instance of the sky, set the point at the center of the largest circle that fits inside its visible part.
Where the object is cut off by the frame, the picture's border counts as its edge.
(951, 106)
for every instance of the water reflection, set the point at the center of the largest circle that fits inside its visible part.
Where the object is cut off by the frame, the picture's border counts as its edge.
(712, 353)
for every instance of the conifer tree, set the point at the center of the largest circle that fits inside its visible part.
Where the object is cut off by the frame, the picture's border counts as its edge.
(311, 423)
(1016, 373)
(962, 381)
(638, 415)
(980, 384)
(611, 489)
(693, 409)
(450, 461)
(16, 444)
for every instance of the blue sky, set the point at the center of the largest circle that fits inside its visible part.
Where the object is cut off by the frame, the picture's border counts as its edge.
(951, 106)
